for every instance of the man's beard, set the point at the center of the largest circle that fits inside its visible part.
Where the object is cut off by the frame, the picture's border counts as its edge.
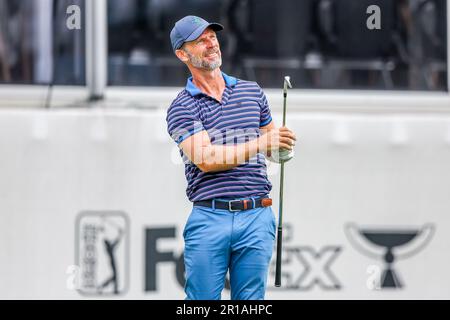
(204, 64)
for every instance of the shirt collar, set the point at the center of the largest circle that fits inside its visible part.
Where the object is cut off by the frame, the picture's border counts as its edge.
(194, 91)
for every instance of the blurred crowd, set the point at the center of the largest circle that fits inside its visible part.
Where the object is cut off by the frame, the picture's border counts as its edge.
(35, 42)
(320, 43)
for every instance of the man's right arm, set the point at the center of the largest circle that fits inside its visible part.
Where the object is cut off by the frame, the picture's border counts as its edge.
(212, 158)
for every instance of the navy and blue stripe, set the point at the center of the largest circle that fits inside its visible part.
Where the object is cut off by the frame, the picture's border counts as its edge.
(235, 119)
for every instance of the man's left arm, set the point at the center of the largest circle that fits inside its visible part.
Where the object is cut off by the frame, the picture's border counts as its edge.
(267, 124)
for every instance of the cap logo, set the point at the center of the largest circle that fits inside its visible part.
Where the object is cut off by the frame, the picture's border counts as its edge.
(196, 20)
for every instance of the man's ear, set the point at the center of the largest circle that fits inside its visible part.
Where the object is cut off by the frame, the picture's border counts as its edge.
(181, 54)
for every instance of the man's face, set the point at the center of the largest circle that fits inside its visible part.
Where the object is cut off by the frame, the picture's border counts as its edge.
(204, 52)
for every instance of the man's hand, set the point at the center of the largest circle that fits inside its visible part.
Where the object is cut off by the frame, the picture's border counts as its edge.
(282, 155)
(277, 144)
(277, 139)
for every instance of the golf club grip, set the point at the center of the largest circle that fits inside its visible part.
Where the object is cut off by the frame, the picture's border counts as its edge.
(278, 262)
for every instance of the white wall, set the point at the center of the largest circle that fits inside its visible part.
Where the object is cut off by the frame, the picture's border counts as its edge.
(378, 171)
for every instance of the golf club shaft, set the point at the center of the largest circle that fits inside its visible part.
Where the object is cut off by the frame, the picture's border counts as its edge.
(280, 211)
(280, 231)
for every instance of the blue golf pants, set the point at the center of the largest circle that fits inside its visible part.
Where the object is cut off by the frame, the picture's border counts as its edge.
(217, 241)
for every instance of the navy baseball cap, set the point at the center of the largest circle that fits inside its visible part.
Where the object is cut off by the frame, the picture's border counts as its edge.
(190, 28)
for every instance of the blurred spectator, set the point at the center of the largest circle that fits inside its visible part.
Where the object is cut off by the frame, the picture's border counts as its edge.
(15, 33)
(32, 34)
(425, 29)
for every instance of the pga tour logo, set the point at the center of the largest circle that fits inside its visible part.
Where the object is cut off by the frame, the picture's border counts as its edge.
(101, 253)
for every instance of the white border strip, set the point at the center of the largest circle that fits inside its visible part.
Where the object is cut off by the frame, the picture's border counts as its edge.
(152, 98)
(448, 46)
(96, 48)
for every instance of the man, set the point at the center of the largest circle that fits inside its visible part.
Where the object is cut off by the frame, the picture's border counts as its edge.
(218, 123)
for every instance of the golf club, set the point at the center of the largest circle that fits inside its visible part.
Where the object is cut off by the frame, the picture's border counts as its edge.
(287, 84)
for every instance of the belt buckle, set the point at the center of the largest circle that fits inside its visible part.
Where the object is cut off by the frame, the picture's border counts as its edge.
(229, 205)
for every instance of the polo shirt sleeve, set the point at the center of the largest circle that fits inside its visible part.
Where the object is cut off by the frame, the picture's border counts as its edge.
(181, 123)
(265, 116)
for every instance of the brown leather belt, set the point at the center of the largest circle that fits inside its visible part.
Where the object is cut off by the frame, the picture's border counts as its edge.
(235, 205)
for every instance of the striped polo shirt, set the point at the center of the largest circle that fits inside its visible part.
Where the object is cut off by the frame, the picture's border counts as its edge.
(236, 119)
